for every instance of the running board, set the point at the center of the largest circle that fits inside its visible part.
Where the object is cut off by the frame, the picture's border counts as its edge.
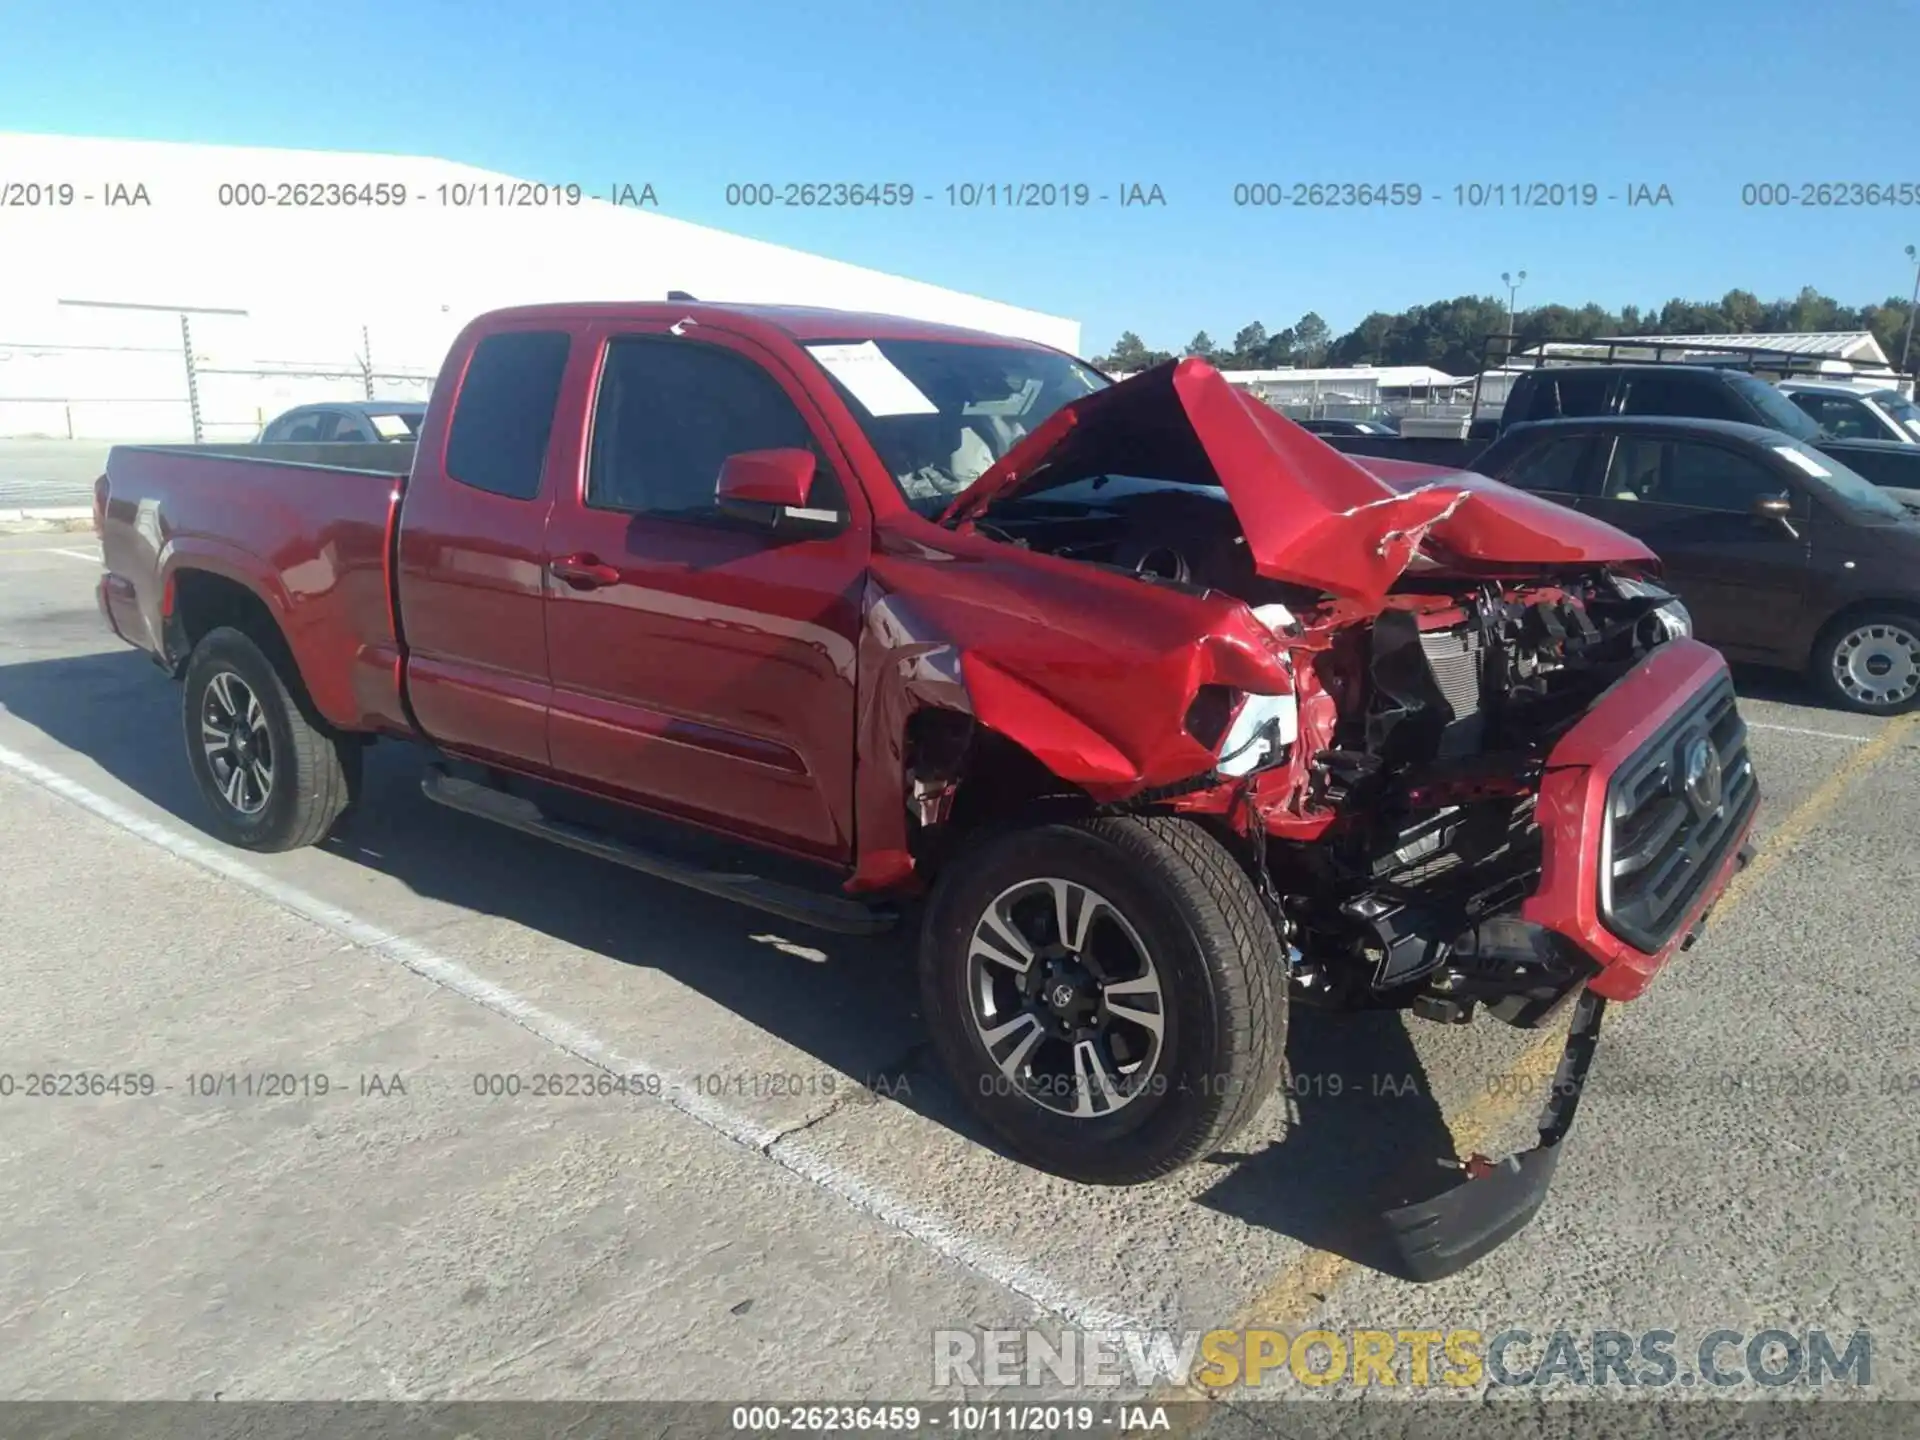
(822, 911)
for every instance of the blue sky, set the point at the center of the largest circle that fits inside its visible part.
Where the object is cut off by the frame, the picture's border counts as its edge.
(1699, 95)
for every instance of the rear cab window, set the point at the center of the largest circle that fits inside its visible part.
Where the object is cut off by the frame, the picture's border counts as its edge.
(503, 413)
(1574, 394)
(1691, 396)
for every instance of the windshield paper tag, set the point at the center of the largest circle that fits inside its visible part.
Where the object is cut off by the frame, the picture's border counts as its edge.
(872, 379)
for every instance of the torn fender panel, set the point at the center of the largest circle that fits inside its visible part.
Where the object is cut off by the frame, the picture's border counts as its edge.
(1092, 674)
(1312, 515)
(1505, 526)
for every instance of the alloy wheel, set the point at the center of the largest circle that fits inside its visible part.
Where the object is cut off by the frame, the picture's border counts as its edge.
(236, 742)
(1066, 998)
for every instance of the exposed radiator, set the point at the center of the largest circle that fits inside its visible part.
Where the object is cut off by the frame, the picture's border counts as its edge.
(1454, 657)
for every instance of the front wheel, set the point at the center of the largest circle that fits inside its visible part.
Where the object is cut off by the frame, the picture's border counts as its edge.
(272, 778)
(1870, 662)
(1108, 995)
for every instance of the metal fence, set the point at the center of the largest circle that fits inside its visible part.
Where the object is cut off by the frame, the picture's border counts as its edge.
(149, 389)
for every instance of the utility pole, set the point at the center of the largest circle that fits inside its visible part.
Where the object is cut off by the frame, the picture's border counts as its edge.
(1907, 345)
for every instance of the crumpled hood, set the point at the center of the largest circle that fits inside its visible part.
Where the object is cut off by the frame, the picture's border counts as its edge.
(1312, 516)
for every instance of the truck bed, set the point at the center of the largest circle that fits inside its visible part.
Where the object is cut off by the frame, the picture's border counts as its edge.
(307, 527)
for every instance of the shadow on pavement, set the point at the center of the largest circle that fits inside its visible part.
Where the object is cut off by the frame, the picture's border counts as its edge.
(1365, 1136)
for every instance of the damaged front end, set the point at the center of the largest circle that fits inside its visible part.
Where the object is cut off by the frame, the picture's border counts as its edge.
(1461, 739)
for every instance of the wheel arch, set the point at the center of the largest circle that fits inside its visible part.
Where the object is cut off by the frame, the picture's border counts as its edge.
(1853, 610)
(204, 600)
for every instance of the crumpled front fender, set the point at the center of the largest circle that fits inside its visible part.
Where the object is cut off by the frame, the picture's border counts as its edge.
(1099, 696)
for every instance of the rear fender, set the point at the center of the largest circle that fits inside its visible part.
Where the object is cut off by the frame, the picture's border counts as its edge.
(332, 696)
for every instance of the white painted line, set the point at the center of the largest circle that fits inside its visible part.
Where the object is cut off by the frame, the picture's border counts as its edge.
(77, 555)
(792, 1154)
(1801, 730)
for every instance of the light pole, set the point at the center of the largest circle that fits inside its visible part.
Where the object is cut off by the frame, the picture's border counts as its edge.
(1907, 344)
(1513, 282)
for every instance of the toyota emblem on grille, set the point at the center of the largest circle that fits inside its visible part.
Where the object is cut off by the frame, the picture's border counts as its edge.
(1700, 775)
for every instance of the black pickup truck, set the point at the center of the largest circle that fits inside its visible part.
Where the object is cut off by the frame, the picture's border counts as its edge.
(1569, 392)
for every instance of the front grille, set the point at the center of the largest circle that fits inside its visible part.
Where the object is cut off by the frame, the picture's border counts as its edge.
(1665, 838)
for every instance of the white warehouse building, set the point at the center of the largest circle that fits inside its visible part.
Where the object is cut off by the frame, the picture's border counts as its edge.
(147, 293)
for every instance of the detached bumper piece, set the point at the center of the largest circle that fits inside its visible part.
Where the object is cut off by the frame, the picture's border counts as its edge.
(1442, 1236)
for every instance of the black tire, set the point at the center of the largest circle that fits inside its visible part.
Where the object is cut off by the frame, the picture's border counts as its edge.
(1222, 994)
(1894, 634)
(313, 773)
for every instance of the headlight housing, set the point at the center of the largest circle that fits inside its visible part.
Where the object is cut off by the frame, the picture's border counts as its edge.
(1673, 618)
(1263, 726)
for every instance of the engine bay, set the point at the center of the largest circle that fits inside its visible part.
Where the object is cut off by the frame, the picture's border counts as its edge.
(1444, 707)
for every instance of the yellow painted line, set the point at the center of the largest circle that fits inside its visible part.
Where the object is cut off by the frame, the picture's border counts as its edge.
(1298, 1291)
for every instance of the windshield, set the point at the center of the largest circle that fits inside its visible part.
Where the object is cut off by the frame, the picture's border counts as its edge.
(1903, 411)
(1780, 412)
(1856, 492)
(939, 412)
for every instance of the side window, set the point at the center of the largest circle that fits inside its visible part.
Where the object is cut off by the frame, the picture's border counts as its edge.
(305, 427)
(1685, 395)
(1552, 468)
(1584, 394)
(1842, 417)
(1532, 399)
(670, 411)
(1574, 395)
(347, 429)
(1633, 471)
(505, 412)
(1706, 477)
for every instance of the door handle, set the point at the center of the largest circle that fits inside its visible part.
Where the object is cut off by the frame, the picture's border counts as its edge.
(584, 572)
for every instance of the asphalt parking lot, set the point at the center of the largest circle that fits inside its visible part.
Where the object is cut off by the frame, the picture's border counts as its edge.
(37, 474)
(787, 1203)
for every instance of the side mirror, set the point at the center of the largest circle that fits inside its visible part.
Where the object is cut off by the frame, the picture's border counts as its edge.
(1775, 510)
(771, 487)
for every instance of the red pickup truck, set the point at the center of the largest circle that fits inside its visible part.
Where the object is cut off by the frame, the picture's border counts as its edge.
(1163, 714)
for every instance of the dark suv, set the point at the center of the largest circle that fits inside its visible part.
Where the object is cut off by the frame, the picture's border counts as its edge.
(1704, 392)
(1784, 556)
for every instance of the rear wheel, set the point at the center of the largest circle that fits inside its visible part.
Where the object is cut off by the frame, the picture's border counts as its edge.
(1870, 662)
(272, 778)
(1106, 994)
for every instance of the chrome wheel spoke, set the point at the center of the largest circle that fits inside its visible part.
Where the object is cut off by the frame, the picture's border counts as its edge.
(1094, 1091)
(1142, 1003)
(1005, 945)
(234, 787)
(1011, 1062)
(1075, 908)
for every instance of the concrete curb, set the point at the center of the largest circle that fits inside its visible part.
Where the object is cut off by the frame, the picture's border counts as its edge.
(46, 517)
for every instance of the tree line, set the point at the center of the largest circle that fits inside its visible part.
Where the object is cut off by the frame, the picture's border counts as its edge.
(1450, 335)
